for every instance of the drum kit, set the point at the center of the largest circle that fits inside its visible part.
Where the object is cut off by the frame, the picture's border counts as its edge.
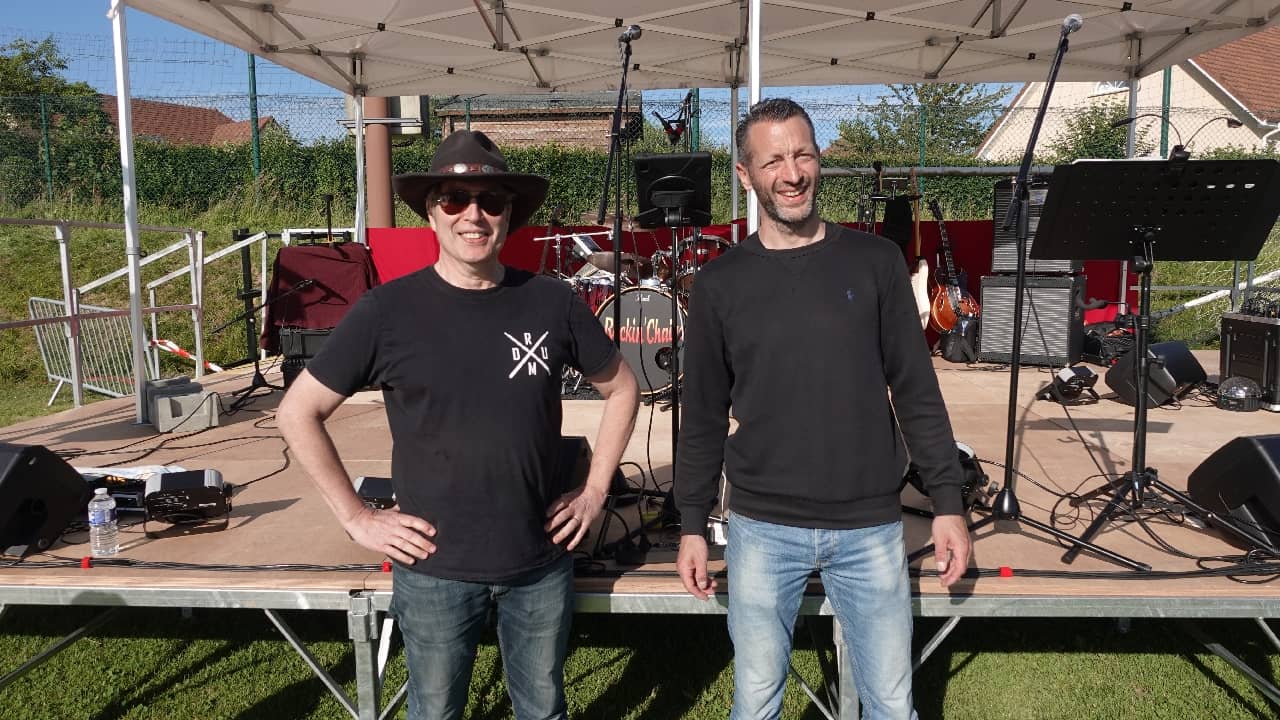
(648, 284)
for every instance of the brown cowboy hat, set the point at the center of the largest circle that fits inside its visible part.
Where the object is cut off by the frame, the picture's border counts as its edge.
(471, 155)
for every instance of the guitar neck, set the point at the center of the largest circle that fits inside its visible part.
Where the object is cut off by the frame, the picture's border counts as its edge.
(945, 243)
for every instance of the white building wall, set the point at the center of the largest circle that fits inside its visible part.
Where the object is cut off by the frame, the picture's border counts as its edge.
(1191, 104)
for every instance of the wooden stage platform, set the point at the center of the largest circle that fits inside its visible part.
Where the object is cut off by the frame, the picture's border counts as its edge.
(289, 553)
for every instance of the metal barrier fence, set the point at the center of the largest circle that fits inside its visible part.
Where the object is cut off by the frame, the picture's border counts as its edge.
(95, 352)
(107, 355)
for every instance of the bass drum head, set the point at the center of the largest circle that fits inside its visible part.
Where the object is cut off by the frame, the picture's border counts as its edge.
(646, 334)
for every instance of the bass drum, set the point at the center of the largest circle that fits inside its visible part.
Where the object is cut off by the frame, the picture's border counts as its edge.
(646, 334)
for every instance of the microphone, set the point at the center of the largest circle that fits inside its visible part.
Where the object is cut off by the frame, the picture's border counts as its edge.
(633, 33)
(304, 284)
(1071, 24)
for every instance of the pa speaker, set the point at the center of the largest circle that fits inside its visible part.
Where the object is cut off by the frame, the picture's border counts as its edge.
(40, 494)
(1178, 372)
(1239, 485)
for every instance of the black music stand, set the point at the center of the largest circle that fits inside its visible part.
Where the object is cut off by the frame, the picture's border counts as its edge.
(1137, 210)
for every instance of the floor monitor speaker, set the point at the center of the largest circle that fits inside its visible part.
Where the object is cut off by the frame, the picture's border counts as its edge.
(40, 494)
(1239, 484)
(1175, 375)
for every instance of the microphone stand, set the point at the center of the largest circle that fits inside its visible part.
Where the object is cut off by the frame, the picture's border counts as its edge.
(1005, 505)
(259, 380)
(615, 158)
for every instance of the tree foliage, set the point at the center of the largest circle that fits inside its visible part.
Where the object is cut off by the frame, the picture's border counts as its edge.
(1089, 134)
(40, 110)
(955, 117)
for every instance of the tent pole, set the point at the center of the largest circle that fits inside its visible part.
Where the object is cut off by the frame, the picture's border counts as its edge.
(1130, 148)
(130, 192)
(360, 185)
(753, 52)
(734, 185)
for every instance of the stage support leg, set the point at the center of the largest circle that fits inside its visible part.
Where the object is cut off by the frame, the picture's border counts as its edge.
(334, 688)
(849, 709)
(57, 647)
(935, 641)
(1263, 684)
(362, 625)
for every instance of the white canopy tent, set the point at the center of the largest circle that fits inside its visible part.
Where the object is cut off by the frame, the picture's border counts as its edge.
(441, 47)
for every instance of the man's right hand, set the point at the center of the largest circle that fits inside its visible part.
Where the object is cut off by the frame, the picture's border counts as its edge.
(691, 562)
(401, 537)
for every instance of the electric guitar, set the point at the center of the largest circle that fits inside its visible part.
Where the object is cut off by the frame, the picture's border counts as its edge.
(953, 309)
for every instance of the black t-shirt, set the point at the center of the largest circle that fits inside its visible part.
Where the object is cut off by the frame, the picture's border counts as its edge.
(471, 380)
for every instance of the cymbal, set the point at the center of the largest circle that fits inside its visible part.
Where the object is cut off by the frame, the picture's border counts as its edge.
(604, 260)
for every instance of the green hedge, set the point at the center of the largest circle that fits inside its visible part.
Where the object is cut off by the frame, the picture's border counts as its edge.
(196, 178)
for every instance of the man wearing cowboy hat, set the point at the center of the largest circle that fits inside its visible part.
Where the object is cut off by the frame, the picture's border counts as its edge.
(469, 354)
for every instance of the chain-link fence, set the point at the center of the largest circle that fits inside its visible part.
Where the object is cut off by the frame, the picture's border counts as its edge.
(192, 151)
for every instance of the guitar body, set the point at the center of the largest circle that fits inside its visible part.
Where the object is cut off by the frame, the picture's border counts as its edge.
(953, 311)
(951, 305)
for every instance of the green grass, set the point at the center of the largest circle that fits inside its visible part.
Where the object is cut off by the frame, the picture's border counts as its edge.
(153, 663)
(22, 401)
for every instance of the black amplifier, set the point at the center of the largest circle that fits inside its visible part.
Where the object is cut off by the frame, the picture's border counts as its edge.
(1251, 348)
(298, 345)
(1052, 322)
(298, 342)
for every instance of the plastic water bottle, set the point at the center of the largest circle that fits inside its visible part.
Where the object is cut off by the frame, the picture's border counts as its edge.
(104, 537)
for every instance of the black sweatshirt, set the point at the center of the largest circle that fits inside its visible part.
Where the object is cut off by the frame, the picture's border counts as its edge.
(805, 345)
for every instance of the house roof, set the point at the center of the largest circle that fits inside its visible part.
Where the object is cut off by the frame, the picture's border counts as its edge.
(182, 124)
(1246, 68)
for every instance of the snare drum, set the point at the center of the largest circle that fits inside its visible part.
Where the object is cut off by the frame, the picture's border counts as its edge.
(593, 290)
(646, 334)
(696, 254)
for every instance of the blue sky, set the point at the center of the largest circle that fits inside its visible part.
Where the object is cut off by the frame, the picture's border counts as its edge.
(80, 16)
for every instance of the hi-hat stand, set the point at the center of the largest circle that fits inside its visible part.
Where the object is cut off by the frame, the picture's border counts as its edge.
(1132, 210)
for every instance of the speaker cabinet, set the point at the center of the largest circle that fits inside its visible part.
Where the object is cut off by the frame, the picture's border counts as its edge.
(40, 494)
(1178, 372)
(1052, 324)
(574, 463)
(1251, 348)
(1239, 484)
(1004, 246)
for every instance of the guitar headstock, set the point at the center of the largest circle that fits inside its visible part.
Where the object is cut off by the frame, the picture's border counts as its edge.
(935, 209)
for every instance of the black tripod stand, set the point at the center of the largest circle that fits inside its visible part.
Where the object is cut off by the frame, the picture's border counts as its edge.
(1190, 210)
(259, 381)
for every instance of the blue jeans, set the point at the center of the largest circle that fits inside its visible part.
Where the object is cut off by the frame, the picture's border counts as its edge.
(864, 572)
(442, 622)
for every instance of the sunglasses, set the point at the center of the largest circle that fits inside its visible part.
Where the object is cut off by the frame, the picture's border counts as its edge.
(455, 201)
